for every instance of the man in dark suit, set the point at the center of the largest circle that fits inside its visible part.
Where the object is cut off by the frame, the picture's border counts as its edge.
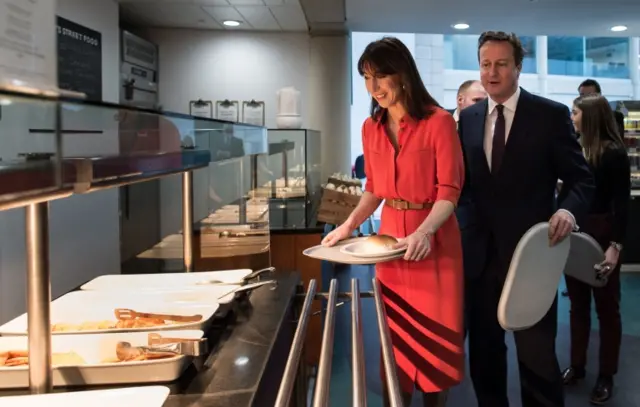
(516, 146)
(590, 87)
(470, 92)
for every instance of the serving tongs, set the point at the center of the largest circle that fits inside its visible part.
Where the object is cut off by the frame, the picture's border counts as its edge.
(127, 314)
(186, 346)
(162, 348)
(243, 281)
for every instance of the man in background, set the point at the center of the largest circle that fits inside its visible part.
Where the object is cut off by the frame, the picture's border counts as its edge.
(469, 93)
(590, 87)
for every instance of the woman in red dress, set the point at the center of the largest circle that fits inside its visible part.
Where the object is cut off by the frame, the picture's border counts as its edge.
(414, 164)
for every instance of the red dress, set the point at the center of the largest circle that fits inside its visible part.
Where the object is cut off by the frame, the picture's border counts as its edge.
(423, 300)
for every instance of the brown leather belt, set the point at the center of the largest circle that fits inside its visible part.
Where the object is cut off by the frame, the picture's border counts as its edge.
(402, 205)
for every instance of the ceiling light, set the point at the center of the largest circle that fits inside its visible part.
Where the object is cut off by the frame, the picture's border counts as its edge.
(619, 28)
(460, 26)
(231, 23)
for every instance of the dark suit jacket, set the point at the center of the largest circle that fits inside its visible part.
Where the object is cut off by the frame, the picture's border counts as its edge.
(541, 148)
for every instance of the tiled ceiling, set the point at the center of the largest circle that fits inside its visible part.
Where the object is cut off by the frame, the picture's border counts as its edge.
(578, 18)
(253, 15)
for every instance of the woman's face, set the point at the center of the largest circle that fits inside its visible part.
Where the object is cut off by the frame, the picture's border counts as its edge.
(576, 118)
(384, 88)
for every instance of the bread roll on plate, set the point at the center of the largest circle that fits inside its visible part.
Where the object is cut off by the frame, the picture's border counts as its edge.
(378, 244)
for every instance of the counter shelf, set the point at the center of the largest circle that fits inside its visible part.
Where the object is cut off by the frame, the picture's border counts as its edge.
(60, 146)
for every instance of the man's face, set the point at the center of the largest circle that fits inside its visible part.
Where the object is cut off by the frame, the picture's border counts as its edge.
(498, 70)
(471, 96)
(587, 90)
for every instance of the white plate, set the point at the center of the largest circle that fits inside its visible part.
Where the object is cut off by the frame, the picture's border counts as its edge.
(80, 306)
(146, 282)
(359, 249)
(93, 349)
(151, 396)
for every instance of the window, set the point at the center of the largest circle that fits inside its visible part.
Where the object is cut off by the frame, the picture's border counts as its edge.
(607, 57)
(600, 57)
(461, 52)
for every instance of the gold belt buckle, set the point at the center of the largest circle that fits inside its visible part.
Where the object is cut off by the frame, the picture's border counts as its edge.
(401, 205)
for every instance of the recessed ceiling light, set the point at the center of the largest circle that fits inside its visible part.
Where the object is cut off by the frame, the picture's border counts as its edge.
(460, 26)
(619, 28)
(231, 23)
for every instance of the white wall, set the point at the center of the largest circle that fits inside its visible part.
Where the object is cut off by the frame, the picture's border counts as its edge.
(84, 230)
(217, 65)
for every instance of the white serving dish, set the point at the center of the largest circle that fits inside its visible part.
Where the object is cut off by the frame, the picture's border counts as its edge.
(146, 282)
(78, 307)
(93, 349)
(210, 295)
(150, 396)
(363, 249)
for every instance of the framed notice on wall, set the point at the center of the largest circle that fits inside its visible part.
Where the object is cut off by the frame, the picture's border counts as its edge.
(227, 110)
(253, 112)
(27, 48)
(201, 108)
(79, 59)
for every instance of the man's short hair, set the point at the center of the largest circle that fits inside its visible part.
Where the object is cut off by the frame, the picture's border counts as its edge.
(501, 36)
(591, 83)
(466, 85)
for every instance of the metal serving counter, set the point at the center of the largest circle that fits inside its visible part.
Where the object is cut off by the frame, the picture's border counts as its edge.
(256, 352)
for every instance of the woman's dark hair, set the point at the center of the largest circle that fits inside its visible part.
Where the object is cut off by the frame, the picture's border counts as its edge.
(598, 128)
(389, 56)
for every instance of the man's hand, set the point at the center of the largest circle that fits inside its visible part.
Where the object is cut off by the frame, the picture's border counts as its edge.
(560, 226)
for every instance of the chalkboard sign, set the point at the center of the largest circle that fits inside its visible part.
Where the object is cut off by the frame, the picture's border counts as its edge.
(79, 59)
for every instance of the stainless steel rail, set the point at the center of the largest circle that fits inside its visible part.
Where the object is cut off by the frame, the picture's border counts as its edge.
(321, 393)
(187, 220)
(289, 376)
(38, 298)
(393, 388)
(357, 348)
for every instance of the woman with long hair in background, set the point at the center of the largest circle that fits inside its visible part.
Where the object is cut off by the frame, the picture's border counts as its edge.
(606, 153)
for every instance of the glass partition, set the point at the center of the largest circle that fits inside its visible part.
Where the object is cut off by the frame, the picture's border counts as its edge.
(291, 177)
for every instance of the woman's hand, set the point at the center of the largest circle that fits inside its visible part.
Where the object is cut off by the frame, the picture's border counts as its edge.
(611, 258)
(340, 233)
(418, 246)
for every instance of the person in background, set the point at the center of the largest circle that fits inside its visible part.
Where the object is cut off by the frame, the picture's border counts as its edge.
(512, 187)
(413, 163)
(591, 86)
(606, 223)
(469, 93)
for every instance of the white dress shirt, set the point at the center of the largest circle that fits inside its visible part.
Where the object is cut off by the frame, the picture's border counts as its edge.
(509, 111)
(490, 124)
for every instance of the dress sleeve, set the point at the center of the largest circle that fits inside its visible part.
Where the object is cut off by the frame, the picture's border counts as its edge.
(369, 185)
(449, 160)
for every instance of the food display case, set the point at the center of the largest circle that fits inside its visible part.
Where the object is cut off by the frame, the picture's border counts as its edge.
(229, 222)
(290, 177)
(219, 338)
